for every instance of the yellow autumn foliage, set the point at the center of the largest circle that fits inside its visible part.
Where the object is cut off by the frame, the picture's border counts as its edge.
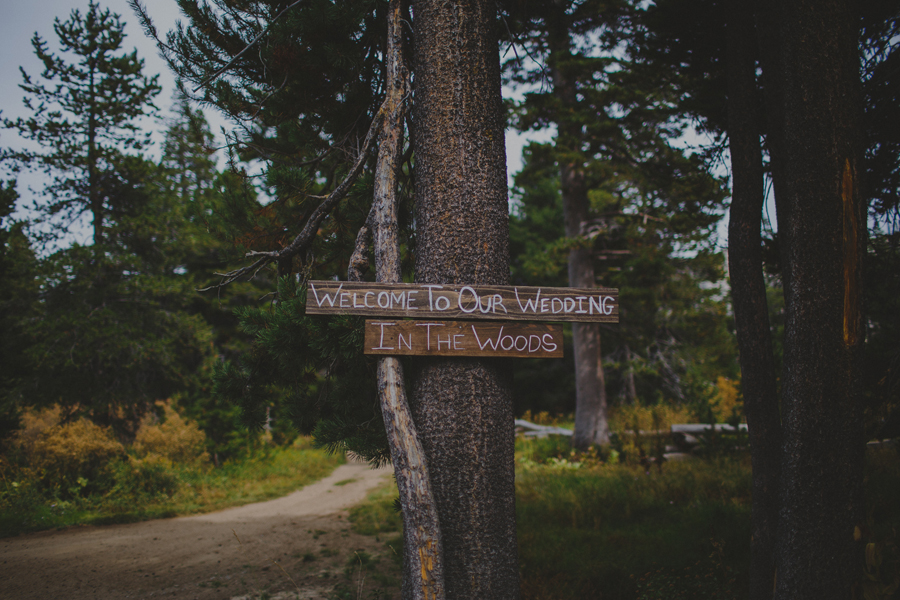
(77, 453)
(727, 400)
(178, 440)
(648, 418)
(34, 424)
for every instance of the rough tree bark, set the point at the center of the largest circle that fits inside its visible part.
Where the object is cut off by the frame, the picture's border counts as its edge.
(824, 229)
(748, 292)
(591, 426)
(423, 553)
(463, 407)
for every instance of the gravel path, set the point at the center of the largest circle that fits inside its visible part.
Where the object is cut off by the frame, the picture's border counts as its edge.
(301, 543)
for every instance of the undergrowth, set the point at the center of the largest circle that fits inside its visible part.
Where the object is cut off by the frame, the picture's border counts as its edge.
(589, 529)
(379, 515)
(56, 474)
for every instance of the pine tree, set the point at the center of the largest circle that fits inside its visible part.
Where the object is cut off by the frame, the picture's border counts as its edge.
(303, 102)
(673, 339)
(116, 330)
(617, 172)
(85, 105)
(18, 306)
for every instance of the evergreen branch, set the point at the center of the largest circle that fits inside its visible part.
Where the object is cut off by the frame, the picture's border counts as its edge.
(271, 156)
(150, 31)
(269, 95)
(306, 235)
(284, 159)
(252, 43)
(312, 224)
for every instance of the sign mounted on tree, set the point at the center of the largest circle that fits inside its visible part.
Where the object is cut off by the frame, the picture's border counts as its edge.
(432, 301)
(463, 338)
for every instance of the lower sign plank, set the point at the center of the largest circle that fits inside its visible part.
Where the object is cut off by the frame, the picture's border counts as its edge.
(463, 338)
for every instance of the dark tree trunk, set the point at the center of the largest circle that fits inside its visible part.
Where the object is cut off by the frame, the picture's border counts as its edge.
(748, 292)
(463, 407)
(591, 426)
(824, 231)
(768, 27)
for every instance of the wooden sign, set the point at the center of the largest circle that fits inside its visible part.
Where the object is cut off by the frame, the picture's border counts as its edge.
(431, 301)
(463, 338)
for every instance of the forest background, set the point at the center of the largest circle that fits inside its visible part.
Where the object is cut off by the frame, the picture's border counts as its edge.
(109, 333)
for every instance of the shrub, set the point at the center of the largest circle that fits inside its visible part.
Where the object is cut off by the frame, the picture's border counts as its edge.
(73, 459)
(176, 439)
(545, 418)
(34, 424)
(648, 418)
(152, 476)
(727, 404)
(541, 450)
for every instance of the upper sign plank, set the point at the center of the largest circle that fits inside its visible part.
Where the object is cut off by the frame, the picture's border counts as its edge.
(430, 301)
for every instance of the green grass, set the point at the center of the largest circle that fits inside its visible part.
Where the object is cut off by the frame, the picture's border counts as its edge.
(593, 531)
(587, 532)
(590, 529)
(184, 490)
(377, 514)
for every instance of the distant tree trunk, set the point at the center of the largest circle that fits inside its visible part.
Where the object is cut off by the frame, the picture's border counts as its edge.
(824, 229)
(748, 292)
(94, 199)
(630, 390)
(463, 407)
(591, 426)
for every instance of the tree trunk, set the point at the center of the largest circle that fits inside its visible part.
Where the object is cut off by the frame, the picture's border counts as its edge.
(629, 391)
(423, 551)
(824, 227)
(463, 407)
(768, 28)
(748, 292)
(591, 426)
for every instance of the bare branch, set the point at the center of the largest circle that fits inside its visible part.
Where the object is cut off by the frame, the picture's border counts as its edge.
(306, 235)
(422, 532)
(315, 219)
(238, 273)
(359, 260)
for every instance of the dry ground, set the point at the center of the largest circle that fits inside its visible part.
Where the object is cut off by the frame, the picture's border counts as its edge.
(299, 546)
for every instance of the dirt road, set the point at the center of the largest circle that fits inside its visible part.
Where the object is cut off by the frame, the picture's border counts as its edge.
(300, 545)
